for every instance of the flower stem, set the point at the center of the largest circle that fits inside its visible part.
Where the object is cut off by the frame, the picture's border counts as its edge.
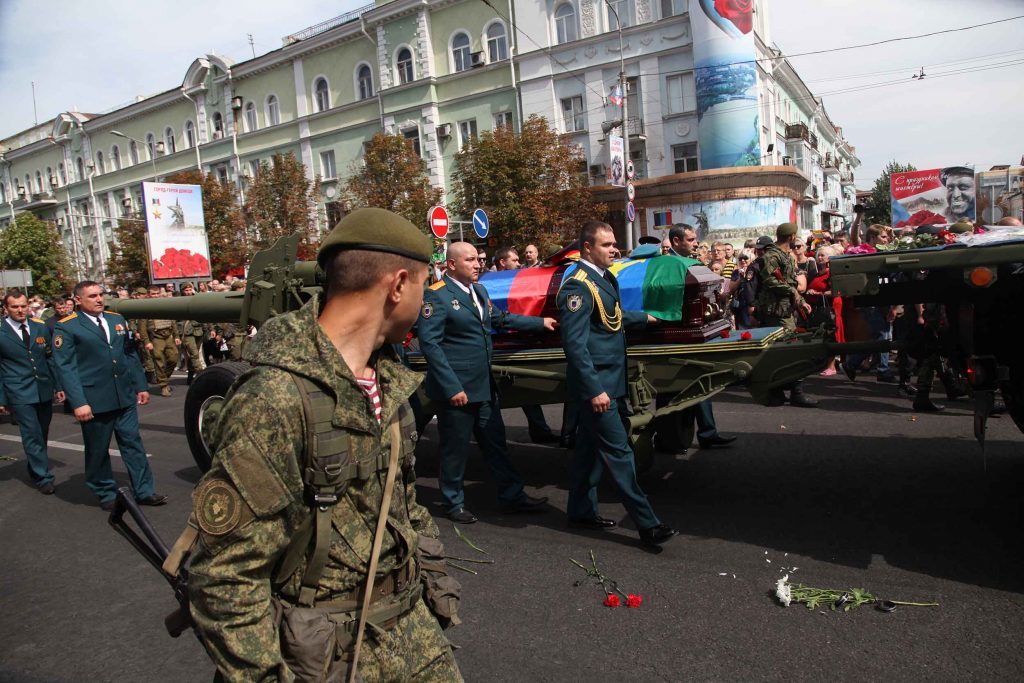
(467, 559)
(459, 566)
(915, 604)
(468, 542)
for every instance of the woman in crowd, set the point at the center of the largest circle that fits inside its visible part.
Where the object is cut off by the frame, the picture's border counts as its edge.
(819, 290)
(804, 263)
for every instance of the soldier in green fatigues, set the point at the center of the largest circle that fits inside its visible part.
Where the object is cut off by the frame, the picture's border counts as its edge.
(138, 329)
(193, 333)
(332, 356)
(778, 299)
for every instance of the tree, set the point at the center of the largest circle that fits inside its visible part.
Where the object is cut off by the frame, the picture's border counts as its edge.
(392, 176)
(225, 224)
(35, 245)
(282, 201)
(129, 263)
(532, 184)
(879, 209)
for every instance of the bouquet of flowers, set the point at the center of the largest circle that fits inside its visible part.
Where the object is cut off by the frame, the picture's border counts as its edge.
(787, 593)
(610, 587)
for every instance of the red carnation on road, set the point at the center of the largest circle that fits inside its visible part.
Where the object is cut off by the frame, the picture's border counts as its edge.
(633, 601)
(611, 600)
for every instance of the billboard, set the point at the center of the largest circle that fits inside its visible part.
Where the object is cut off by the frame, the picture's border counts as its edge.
(726, 75)
(999, 194)
(938, 195)
(616, 164)
(175, 231)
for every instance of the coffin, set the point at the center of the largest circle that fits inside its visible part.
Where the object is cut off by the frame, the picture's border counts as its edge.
(680, 292)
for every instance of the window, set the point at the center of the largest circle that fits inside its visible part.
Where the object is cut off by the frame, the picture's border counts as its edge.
(3, 193)
(403, 61)
(364, 76)
(327, 164)
(151, 145)
(218, 125)
(99, 163)
(63, 173)
(251, 123)
(680, 94)
(133, 152)
(104, 206)
(565, 23)
(222, 175)
(321, 94)
(190, 134)
(503, 119)
(51, 179)
(169, 147)
(684, 157)
(39, 182)
(497, 43)
(671, 8)
(467, 131)
(413, 136)
(273, 111)
(115, 158)
(254, 168)
(574, 118)
(80, 167)
(620, 7)
(462, 59)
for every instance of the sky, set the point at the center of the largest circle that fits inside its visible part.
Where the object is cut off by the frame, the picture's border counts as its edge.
(100, 54)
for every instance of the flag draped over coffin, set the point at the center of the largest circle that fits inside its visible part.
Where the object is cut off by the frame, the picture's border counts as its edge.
(654, 285)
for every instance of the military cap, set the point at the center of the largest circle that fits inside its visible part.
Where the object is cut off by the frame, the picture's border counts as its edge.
(649, 239)
(961, 227)
(785, 230)
(376, 230)
(763, 241)
(141, 290)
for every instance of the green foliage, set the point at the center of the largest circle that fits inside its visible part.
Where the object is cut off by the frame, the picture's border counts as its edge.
(392, 176)
(532, 184)
(282, 201)
(879, 208)
(129, 263)
(36, 245)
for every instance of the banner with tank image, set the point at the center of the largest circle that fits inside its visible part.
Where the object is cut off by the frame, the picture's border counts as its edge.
(726, 75)
(175, 231)
(936, 196)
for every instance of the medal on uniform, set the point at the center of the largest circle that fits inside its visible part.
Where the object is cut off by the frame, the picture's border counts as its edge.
(455, 304)
(428, 310)
(574, 302)
(58, 341)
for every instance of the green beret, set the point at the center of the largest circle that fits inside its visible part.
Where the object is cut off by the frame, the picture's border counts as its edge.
(376, 230)
(785, 230)
(141, 290)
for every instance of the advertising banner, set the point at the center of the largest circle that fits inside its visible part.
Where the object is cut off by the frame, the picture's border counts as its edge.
(616, 164)
(175, 231)
(724, 54)
(935, 196)
(999, 194)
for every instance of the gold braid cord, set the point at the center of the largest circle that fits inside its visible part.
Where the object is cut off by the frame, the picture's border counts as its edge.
(614, 322)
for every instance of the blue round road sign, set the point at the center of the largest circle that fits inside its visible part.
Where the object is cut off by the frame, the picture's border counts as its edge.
(480, 223)
(630, 211)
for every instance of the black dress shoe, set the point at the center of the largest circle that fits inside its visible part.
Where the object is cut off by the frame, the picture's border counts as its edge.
(462, 516)
(776, 398)
(657, 535)
(154, 500)
(107, 505)
(525, 504)
(716, 440)
(802, 400)
(543, 437)
(47, 489)
(593, 523)
(567, 441)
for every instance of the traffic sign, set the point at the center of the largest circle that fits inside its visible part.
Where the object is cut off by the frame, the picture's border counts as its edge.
(438, 219)
(630, 211)
(630, 169)
(480, 223)
(630, 191)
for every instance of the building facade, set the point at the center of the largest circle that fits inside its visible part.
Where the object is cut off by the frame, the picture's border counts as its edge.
(439, 72)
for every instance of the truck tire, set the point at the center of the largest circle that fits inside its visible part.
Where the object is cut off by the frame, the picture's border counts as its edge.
(1013, 394)
(202, 405)
(675, 432)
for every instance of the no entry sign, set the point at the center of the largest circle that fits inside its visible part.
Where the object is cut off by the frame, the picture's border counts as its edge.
(438, 219)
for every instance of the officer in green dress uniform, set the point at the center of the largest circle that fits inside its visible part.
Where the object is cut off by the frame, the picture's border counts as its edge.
(592, 322)
(28, 383)
(104, 383)
(454, 330)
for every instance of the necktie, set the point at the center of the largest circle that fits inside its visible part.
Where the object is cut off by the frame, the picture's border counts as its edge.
(612, 281)
(24, 335)
(103, 330)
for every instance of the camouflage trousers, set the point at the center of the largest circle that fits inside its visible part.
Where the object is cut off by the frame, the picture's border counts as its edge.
(165, 358)
(194, 353)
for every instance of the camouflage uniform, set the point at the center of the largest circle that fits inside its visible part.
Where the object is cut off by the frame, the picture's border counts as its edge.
(776, 289)
(161, 334)
(193, 333)
(235, 336)
(258, 446)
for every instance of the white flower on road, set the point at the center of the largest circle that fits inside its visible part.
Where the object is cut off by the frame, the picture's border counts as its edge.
(783, 592)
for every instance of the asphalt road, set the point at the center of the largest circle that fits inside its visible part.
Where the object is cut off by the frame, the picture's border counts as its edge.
(858, 493)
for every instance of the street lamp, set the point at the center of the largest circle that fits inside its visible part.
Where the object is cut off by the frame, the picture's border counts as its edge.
(157, 147)
(625, 125)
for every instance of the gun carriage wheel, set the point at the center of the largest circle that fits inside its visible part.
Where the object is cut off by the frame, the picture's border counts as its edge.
(203, 402)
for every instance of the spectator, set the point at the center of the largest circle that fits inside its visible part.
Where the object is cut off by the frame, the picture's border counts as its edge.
(719, 253)
(704, 253)
(666, 246)
(806, 265)
(203, 287)
(819, 292)
(506, 259)
(532, 256)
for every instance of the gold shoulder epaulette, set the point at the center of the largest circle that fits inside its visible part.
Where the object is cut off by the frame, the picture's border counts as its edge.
(437, 285)
(70, 317)
(580, 273)
(37, 320)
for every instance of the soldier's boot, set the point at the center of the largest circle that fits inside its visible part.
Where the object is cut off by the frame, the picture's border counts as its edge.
(923, 401)
(166, 390)
(188, 379)
(798, 398)
(954, 387)
(776, 398)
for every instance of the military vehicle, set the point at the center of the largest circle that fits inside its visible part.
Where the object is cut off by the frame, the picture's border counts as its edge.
(980, 280)
(666, 375)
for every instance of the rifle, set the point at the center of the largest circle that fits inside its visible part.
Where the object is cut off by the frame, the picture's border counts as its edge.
(155, 551)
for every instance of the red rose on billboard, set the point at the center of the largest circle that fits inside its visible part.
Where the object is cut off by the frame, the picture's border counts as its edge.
(922, 217)
(180, 263)
(739, 12)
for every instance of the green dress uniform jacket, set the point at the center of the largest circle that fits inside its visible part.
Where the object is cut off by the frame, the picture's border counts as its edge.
(456, 341)
(103, 376)
(251, 504)
(27, 376)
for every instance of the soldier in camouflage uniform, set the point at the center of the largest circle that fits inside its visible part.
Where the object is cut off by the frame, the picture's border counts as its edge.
(193, 333)
(253, 501)
(137, 327)
(778, 299)
(161, 341)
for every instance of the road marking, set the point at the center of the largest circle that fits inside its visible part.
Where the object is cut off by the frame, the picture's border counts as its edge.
(65, 445)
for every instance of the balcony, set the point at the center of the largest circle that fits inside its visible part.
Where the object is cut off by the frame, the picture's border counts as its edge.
(37, 200)
(797, 131)
(634, 124)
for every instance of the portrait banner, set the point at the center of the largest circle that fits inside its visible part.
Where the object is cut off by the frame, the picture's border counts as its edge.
(175, 231)
(616, 164)
(936, 196)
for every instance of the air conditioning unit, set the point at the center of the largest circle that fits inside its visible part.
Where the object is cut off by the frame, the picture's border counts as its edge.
(597, 170)
(444, 130)
(477, 59)
(787, 161)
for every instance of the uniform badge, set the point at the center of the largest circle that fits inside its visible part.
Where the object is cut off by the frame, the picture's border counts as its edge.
(574, 302)
(455, 304)
(218, 507)
(428, 310)
(119, 329)
(58, 341)
(40, 340)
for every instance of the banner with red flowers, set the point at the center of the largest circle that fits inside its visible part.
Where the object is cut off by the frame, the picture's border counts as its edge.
(176, 231)
(936, 196)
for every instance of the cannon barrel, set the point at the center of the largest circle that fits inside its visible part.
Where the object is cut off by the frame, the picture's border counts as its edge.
(208, 307)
